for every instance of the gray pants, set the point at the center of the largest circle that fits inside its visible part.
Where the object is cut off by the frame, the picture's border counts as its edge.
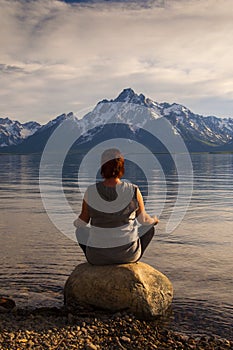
(143, 240)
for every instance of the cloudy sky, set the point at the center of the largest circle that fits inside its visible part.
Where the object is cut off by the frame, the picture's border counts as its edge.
(62, 56)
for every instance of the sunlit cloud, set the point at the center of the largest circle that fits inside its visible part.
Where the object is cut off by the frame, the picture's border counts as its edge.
(58, 57)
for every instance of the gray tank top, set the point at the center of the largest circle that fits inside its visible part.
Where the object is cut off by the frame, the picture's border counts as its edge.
(111, 206)
(114, 232)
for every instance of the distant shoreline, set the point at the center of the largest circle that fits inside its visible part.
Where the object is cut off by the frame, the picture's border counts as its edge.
(83, 152)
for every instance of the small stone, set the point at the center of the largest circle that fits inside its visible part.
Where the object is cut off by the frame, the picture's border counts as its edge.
(125, 339)
(94, 327)
(11, 335)
(23, 340)
(90, 346)
(227, 342)
(91, 330)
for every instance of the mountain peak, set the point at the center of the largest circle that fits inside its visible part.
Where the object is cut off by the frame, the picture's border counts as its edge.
(128, 95)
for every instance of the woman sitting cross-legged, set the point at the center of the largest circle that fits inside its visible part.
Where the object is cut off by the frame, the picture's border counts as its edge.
(113, 209)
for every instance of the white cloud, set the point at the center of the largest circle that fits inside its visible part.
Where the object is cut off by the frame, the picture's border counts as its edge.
(56, 57)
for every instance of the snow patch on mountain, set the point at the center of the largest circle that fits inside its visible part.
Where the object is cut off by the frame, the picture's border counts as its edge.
(13, 132)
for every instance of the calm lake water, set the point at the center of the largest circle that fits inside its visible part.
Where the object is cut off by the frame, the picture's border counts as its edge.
(36, 258)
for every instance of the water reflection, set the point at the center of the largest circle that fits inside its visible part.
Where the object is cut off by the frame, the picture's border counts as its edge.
(197, 257)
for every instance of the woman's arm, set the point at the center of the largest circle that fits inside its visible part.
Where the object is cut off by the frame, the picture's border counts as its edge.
(84, 217)
(142, 216)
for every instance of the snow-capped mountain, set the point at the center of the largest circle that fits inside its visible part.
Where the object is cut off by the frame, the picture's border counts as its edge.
(13, 132)
(36, 142)
(210, 130)
(199, 133)
(127, 116)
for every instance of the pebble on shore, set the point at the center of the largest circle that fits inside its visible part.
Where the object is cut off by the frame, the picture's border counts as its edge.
(51, 328)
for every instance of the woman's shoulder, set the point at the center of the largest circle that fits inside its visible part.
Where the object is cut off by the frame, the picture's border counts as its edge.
(98, 186)
(128, 183)
(129, 186)
(91, 189)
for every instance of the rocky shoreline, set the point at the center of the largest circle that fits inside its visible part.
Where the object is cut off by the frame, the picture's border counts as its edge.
(59, 328)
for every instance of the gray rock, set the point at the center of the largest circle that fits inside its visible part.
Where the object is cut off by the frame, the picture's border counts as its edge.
(138, 288)
(7, 304)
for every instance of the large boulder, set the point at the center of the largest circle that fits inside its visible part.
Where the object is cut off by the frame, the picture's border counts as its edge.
(136, 287)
